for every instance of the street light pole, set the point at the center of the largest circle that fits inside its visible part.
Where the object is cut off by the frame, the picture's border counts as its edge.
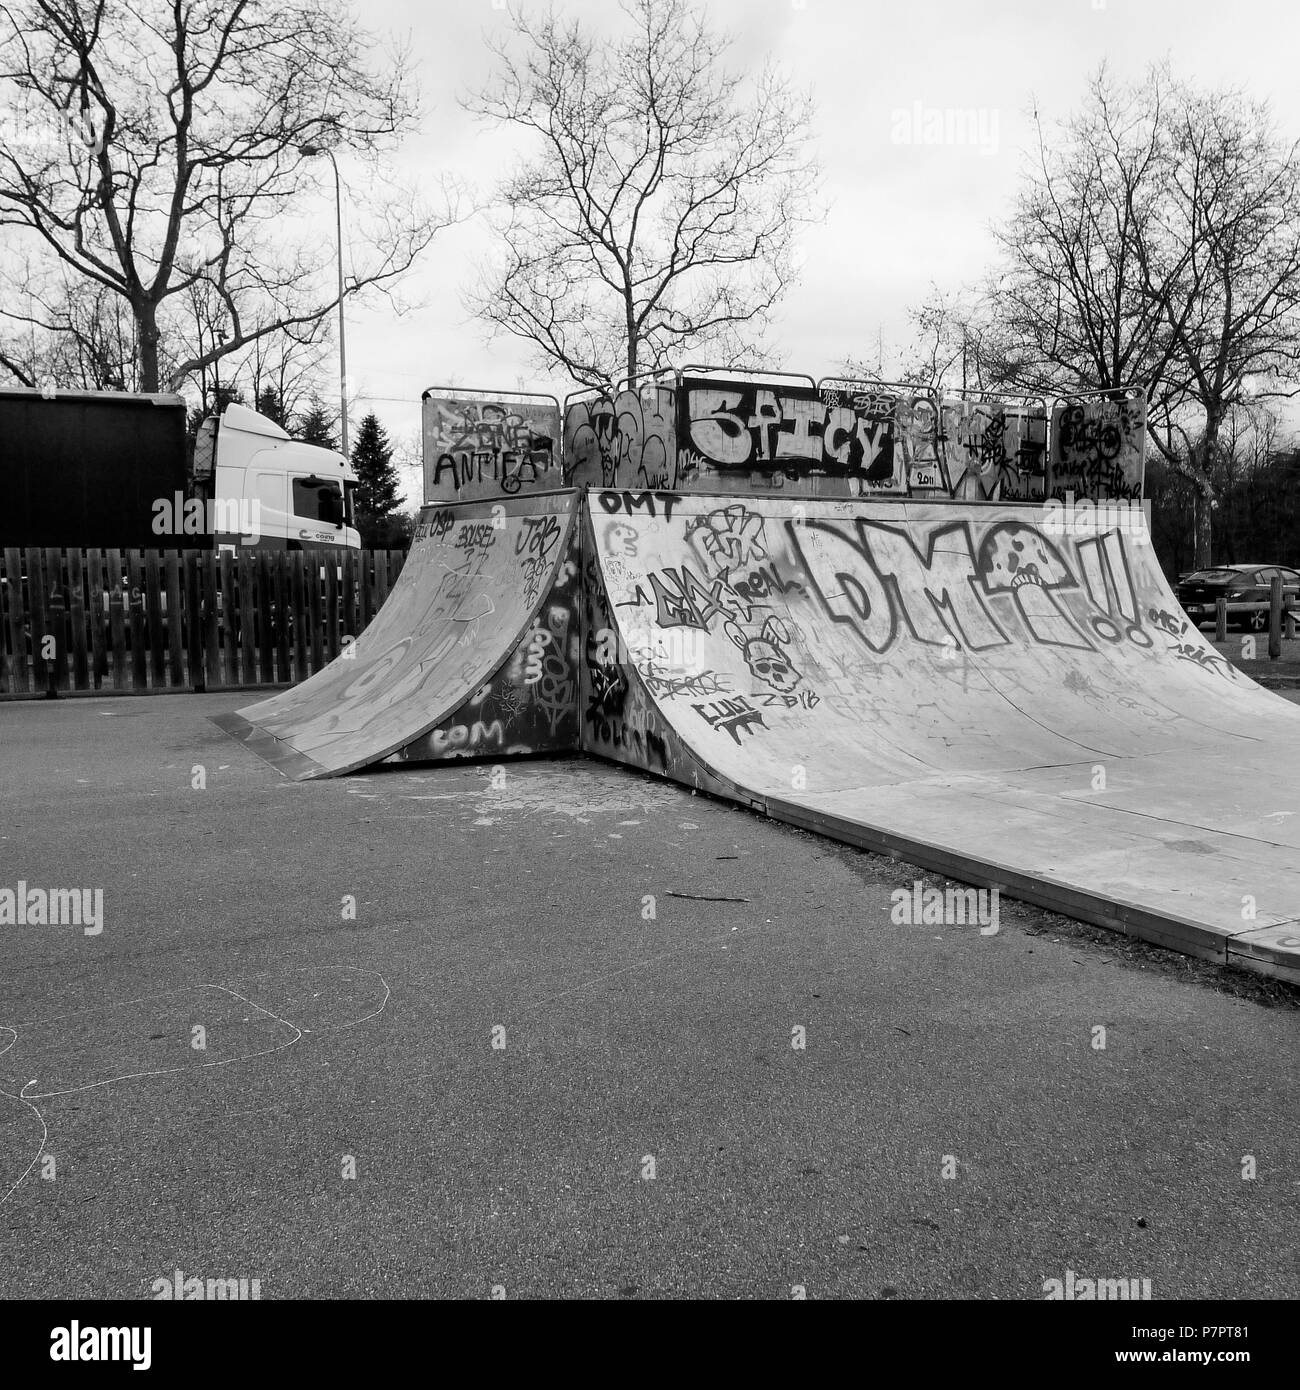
(310, 151)
(343, 342)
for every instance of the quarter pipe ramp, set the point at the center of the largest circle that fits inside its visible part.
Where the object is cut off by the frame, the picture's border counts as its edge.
(472, 642)
(969, 687)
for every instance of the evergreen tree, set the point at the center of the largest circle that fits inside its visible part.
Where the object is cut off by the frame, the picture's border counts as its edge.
(316, 427)
(224, 393)
(379, 517)
(270, 405)
(394, 532)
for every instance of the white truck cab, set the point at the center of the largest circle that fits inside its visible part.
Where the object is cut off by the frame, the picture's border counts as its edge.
(265, 488)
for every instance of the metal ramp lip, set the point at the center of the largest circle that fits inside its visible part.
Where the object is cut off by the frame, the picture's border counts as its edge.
(487, 503)
(282, 756)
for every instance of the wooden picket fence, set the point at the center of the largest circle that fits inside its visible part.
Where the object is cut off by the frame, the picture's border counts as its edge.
(137, 620)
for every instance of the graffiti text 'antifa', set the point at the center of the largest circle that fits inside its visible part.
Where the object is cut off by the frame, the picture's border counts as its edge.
(469, 444)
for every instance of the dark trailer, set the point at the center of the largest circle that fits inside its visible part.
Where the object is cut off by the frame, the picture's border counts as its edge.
(82, 469)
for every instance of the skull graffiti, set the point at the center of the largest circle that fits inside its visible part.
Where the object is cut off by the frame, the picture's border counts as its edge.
(1013, 555)
(1014, 558)
(765, 654)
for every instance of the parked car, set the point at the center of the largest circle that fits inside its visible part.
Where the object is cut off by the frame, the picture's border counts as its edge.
(1247, 588)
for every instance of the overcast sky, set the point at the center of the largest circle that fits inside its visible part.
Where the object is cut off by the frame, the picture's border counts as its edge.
(900, 215)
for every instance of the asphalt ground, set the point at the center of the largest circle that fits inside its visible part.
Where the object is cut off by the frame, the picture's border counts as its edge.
(645, 1126)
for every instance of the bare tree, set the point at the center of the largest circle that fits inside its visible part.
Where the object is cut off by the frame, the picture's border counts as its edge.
(408, 459)
(1156, 241)
(1070, 295)
(288, 365)
(953, 343)
(159, 147)
(657, 211)
(67, 332)
(1223, 270)
(956, 344)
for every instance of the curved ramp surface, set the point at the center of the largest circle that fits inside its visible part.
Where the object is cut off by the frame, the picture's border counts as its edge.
(972, 688)
(468, 593)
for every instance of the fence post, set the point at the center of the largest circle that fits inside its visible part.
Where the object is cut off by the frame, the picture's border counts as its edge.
(54, 630)
(58, 617)
(36, 599)
(98, 615)
(5, 685)
(246, 566)
(283, 618)
(19, 676)
(315, 609)
(1275, 619)
(77, 596)
(229, 619)
(195, 646)
(1220, 619)
(298, 575)
(210, 609)
(117, 597)
(139, 617)
(153, 591)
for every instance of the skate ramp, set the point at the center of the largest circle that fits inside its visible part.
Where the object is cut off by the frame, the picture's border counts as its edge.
(475, 593)
(964, 686)
(529, 704)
